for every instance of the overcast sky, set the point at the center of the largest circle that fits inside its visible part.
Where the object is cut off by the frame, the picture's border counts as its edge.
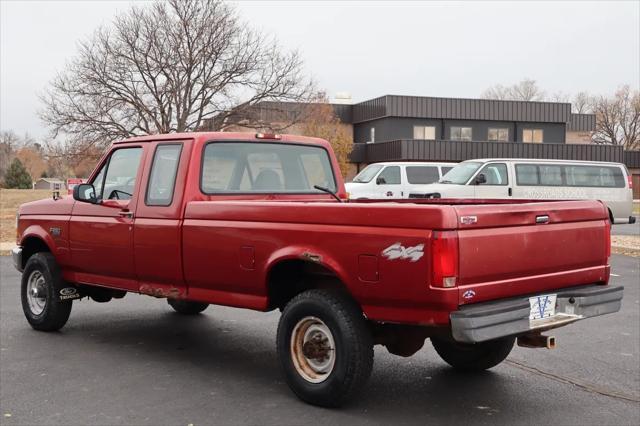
(367, 49)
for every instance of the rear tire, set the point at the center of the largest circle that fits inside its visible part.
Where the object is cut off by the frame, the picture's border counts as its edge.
(324, 347)
(473, 357)
(40, 293)
(186, 307)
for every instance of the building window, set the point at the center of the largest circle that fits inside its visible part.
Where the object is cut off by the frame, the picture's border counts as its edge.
(461, 133)
(532, 135)
(372, 134)
(498, 135)
(424, 132)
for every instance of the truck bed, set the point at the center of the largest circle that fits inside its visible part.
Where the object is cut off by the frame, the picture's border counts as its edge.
(502, 250)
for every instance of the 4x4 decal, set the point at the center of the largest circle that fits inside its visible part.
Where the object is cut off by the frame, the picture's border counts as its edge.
(398, 251)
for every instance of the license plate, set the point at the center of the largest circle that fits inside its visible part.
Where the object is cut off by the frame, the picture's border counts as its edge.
(542, 306)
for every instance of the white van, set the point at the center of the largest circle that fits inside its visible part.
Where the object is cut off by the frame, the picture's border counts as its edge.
(539, 179)
(395, 180)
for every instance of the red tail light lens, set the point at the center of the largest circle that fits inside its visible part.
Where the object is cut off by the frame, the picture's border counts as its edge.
(630, 181)
(444, 255)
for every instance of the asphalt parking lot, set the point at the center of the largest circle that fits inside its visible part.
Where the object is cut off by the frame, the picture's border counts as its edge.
(627, 229)
(133, 361)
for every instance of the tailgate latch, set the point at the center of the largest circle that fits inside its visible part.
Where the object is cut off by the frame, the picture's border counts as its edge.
(542, 219)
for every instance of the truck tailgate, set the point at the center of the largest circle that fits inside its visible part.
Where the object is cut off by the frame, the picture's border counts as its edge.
(509, 250)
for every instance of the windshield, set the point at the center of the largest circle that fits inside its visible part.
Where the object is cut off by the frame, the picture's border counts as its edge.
(367, 174)
(461, 173)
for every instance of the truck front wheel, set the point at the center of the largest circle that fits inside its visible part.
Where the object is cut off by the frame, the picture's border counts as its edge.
(40, 293)
(325, 347)
(473, 357)
(186, 307)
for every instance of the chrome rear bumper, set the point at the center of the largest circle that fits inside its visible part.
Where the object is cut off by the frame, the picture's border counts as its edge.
(492, 320)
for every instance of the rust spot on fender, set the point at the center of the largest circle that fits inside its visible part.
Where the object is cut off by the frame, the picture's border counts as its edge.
(311, 256)
(161, 292)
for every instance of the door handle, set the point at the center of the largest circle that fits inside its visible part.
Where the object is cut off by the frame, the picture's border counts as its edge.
(126, 213)
(510, 192)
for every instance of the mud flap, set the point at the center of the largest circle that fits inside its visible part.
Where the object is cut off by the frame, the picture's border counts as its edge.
(70, 293)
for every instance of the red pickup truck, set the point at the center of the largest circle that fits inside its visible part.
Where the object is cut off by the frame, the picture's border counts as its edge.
(262, 221)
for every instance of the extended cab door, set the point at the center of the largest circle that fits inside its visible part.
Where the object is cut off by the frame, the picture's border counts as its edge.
(157, 240)
(101, 235)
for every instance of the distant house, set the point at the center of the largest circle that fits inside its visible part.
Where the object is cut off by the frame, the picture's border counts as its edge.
(52, 184)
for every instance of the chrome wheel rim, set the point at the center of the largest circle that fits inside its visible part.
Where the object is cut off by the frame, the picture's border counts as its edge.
(36, 293)
(313, 349)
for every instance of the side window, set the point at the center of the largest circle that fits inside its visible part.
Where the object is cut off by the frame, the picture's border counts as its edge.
(422, 174)
(594, 176)
(527, 174)
(550, 175)
(496, 174)
(163, 175)
(98, 181)
(445, 170)
(389, 176)
(120, 179)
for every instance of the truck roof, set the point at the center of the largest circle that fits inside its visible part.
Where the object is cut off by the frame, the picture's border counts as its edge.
(227, 136)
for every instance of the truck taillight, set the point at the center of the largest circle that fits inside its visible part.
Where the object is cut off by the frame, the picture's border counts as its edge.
(444, 255)
(630, 181)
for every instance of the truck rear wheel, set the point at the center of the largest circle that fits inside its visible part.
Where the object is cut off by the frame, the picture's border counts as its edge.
(325, 347)
(186, 307)
(40, 293)
(473, 357)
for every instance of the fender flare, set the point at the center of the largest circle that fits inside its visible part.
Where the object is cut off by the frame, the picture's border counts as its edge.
(308, 254)
(36, 231)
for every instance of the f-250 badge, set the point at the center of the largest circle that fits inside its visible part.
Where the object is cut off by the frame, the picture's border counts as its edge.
(398, 251)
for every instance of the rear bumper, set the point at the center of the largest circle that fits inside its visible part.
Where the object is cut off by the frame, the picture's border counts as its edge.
(624, 220)
(491, 320)
(16, 255)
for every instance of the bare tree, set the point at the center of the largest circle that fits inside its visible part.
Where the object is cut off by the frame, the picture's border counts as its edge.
(167, 68)
(497, 92)
(561, 97)
(582, 103)
(525, 90)
(618, 119)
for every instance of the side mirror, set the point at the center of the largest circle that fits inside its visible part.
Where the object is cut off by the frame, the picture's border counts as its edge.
(380, 181)
(480, 179)
(85, 192)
